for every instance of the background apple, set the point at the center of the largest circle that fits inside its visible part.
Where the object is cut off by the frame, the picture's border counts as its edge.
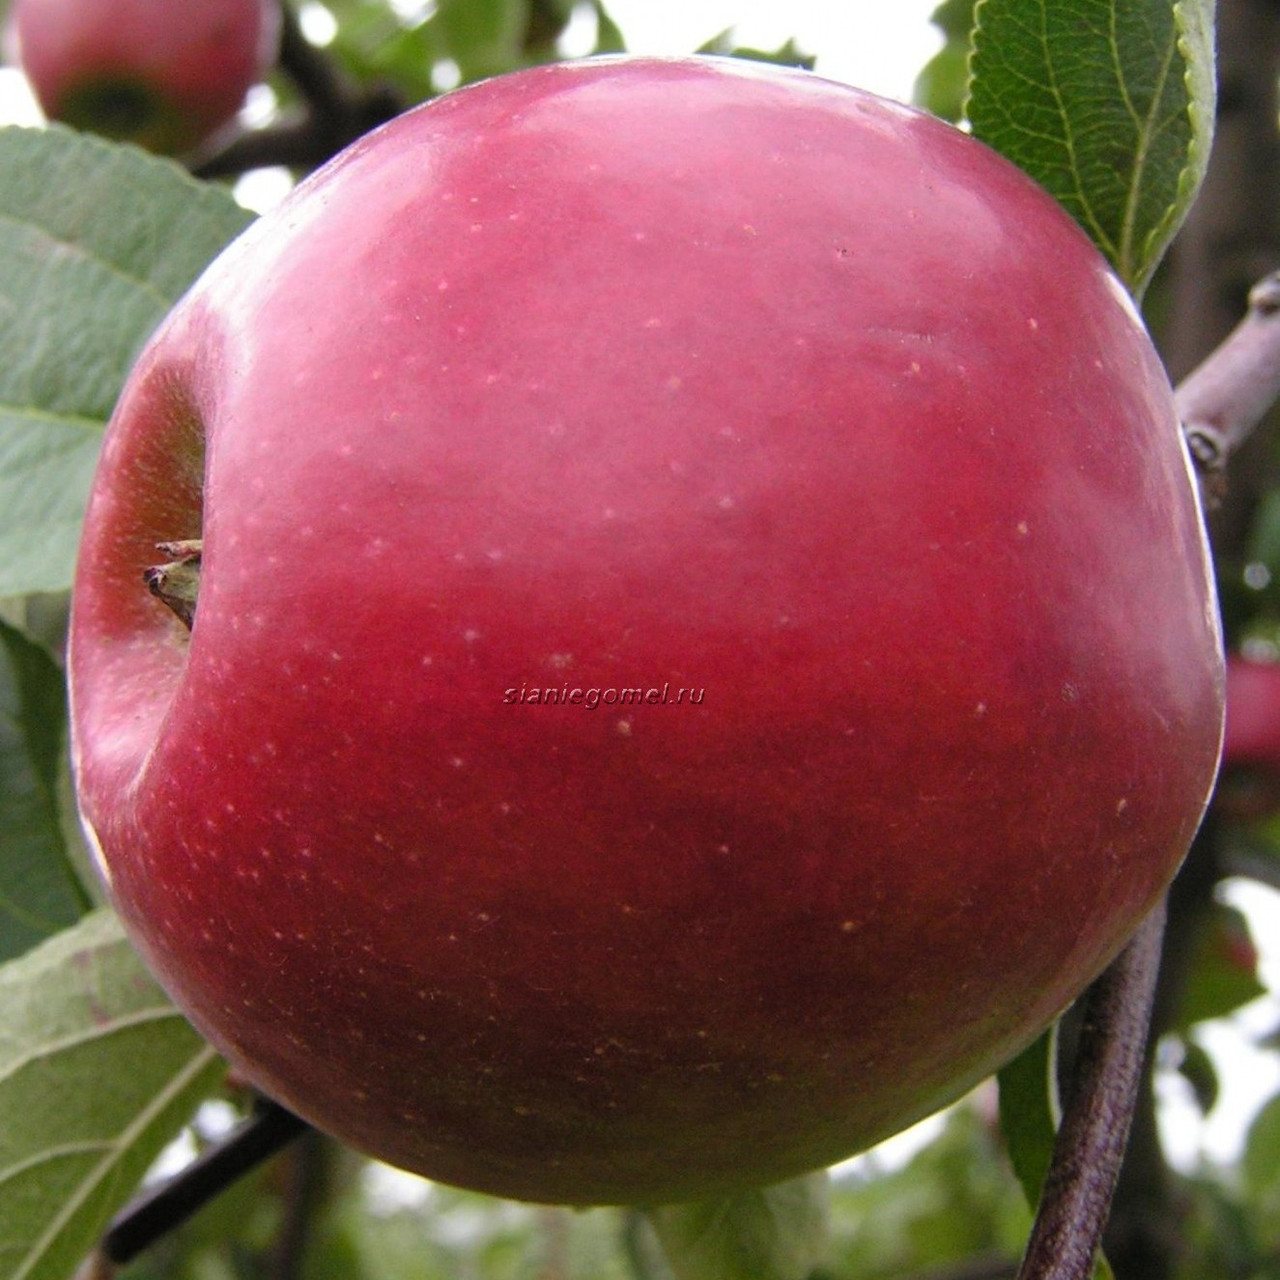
(1250, 784)
(164, 75)
(614, 375)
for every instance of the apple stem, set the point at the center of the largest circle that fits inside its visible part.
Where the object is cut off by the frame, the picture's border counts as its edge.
(164, 1208)
(1099, 1109)
(1224, 398)
(177, 582)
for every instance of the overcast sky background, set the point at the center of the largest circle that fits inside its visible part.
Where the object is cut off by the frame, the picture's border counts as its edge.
(877, 46)
(869, 43)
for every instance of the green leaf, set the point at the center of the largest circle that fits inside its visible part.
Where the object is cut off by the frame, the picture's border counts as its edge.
(1223, 973)
(1029, 1112)
(1106, 103)
(774, 1233)
(725, 44)
(410, 51)
(1197, 1069)
(1261, 1162)
(1264, 536)
(39, 891)
(484, 37)
(954, 1201)
(98, 1071)
(608, 34)
(943, 81)
(97, 242)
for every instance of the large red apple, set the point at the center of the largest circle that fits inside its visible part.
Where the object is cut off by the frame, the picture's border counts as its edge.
(165, 74)
(704, 642)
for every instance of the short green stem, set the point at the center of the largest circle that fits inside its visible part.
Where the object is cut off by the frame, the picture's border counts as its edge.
(177, 582)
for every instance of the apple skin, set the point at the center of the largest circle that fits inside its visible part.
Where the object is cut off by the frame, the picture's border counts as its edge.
(165, 75)
(614, 374)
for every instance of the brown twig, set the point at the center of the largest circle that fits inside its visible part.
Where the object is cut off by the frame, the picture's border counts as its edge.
(159, 1210)
(306, 1184)
(1227, 395)
(1099, 1109)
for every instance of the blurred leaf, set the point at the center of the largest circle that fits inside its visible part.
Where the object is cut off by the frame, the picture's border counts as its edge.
(97, 243)
(373, 44)
(1261, 1162)
(785, 55)
(397, 1227)
(484, 37)
(1106, 103)
(544, 24)
(39, 891)
(943, 82)
(774, 1233)
(1223, 972)
(1197, 1069)
(97, 1072)
(41, 617)
(954, 1204)
(608, 33)
(1264, 539)
(456, 41)
(1029, 1112)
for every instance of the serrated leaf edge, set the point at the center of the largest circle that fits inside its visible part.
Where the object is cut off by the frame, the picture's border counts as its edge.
(1123, 257)
(1196, 160)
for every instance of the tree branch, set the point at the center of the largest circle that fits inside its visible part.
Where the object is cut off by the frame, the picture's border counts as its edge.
(1225, 397)
(307, 1180)
(336, 112)
(1090, 1145)
(163, 1208)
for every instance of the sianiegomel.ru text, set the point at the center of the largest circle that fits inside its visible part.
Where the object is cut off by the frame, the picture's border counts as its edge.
(574, 696)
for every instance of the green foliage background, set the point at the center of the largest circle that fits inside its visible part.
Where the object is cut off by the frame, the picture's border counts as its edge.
(1109, 104)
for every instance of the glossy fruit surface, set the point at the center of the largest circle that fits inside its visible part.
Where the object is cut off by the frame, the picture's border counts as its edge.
(163, 74)
(619, 379)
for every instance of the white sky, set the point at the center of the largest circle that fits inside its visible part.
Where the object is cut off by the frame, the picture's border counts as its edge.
(869, 43)
(874, 45)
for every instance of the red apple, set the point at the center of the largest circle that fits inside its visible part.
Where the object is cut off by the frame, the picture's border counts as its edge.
(1249, 787)
(704, 640)
(161, 73)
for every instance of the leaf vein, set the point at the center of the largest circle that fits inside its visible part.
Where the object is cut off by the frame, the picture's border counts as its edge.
(131, 1131)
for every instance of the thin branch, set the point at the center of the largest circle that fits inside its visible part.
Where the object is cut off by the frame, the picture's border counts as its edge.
(163, 1208)
(307, 1180)
(1225, 397)
(316, 75)
(1090, 1144)
(336, 112)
